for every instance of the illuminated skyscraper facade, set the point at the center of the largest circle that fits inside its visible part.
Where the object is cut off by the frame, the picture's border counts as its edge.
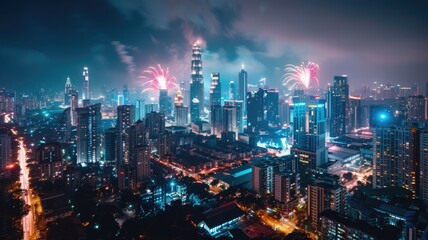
(229, 119)
(216, 120)
(180, 111)
(243, 88)
(232, 90)
(74, 103)
(85, 87)
(316, 135)
(215, 89)
(238, 104)
(299, 124)
(271, 101)
(337, 101)
(197, 80)
(163, 101)
(194, 110)
(88, 134)
(155, 122)
(67, 92)
(125, 118)
(396, 157)
(255, 117)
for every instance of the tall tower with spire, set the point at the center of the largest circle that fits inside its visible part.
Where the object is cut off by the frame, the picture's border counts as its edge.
(243, 88)
(197, 80)
(67, 92)
(85, 88)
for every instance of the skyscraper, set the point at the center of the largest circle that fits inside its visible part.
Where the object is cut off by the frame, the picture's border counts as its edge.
(88, 134)
(139, 109)
(125, 118)
(143, 162)
(215, 89)
(49, 158)
(186, 93)
(197, 80)
(355, 113)
(337, 102)
(232, 90)
(163, 101)
(138, 135)
(67, 92)
(243, 88)
(150, 107)
(271, 105)
(238, 104)
(284, 112)
(316, 135)
(110, 144)
(229, 119)
(180, 111)
(74, 103)
(194, 110)
(299, 124)
(216, 120)
(287, 185)
(423, 178)
(85, 88)
(255, 117)
(396, 157)
(322, 196)
(155, 122)
(417, 109)
(125, 94)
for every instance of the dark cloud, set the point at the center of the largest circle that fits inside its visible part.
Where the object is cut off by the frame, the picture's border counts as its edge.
(383, 41)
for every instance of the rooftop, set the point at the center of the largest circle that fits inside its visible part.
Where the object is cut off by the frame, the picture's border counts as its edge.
(222, 214)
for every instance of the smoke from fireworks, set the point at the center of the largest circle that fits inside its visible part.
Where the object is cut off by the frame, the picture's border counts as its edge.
(300, 75)
(156, 78)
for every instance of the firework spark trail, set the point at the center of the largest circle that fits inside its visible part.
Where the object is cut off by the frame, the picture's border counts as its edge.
(301, 75)
(156, 78)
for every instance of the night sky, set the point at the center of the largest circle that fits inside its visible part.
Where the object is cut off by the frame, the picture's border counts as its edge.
(42, 42)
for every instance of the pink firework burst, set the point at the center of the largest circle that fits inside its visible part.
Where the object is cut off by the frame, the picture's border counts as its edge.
(156, 78)
(301, 75)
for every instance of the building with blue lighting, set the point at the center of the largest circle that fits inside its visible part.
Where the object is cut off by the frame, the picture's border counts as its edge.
(89, 134)
(337, 101)
(243, 89)
(196, 83)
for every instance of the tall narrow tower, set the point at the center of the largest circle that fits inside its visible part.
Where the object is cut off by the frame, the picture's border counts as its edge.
(197, 80)
(85, 88)
(67, 92)
(243, 88)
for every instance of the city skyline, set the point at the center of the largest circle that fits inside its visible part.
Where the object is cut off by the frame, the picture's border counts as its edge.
(387, 46)
(202, 119)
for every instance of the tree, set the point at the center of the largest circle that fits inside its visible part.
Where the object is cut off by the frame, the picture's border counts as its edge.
(297, 235)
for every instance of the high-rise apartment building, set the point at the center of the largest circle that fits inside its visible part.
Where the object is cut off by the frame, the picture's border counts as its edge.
(88, 134)
(337, 102)
(396, 157)
(125, 119)
(324, 194)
